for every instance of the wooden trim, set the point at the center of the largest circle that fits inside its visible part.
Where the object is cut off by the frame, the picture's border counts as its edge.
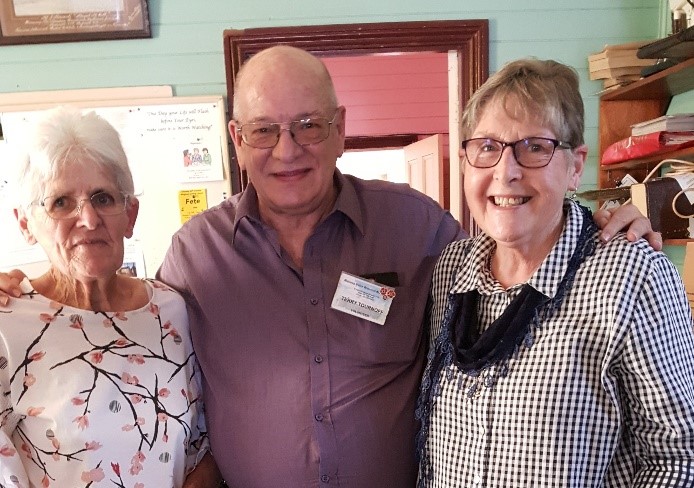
(470, 38)
(380, 142)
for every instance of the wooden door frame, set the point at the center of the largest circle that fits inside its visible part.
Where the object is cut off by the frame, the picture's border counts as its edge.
(470, 38)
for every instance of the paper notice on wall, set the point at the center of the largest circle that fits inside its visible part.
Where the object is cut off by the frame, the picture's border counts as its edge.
(194, 143)
(133, 259)
(191, 202)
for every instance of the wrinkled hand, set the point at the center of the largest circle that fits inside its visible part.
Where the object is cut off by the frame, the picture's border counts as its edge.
(205, 475)
(9, 285)
(628, 218)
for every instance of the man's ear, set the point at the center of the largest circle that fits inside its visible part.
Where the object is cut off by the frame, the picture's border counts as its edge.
(236, 138)
(340, 128)
(23, 222)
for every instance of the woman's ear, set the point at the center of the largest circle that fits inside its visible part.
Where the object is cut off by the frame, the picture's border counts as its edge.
(132, 210)
(579, 155)
(23, 222)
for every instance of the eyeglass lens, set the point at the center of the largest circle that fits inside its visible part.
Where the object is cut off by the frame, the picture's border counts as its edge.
(265, 135)
(533, 152)
(66, 206)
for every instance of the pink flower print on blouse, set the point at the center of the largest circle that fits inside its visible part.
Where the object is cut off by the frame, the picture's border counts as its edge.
(136, 359)
(96, 474)
(34, 411)
(96, 357)
(7, 451)
(136, 463)
(129, 379)
(92, 446)
(37, 356)
(176, 336)
(29, 379)
(76, 321)
(128, 427)
(47, 317)
(82, 421)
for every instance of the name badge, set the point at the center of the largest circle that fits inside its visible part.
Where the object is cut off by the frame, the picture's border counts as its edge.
(363, 298)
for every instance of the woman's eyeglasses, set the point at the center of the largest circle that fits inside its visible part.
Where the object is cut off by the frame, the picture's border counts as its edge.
(66, 206)
(532, 152)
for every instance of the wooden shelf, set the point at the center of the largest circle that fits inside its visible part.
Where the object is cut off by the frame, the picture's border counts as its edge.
(670, 82)
(641, 100)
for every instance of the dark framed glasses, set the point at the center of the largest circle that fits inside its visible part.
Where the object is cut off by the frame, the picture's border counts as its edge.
(531, 152)
(264, 135)
(104, 203)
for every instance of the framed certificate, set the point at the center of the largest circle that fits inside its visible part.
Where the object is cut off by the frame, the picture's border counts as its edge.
(42, 21)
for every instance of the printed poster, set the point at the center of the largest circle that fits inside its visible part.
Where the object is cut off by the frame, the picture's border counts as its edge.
(191, 202)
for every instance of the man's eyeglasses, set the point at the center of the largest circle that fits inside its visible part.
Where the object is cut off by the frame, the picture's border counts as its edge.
(66, 206)
(264, 135)
(532, 152)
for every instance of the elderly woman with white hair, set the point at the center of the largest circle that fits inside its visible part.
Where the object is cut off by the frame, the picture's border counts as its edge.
(99, 379)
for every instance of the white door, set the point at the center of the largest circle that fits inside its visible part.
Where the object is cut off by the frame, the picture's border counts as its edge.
(425, 167)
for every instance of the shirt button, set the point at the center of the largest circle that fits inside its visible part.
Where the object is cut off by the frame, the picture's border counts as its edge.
(319, 417)
(477, 479)
(318, 359)
(325, 478)
(314, 301)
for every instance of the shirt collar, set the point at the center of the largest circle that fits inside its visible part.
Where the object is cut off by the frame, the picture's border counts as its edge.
(347, 203)
(547, 277)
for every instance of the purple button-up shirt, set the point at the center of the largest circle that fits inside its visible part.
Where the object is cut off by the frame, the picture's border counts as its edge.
(299, 394)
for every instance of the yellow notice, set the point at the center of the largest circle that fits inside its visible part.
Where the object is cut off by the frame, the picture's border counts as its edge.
(191, 202)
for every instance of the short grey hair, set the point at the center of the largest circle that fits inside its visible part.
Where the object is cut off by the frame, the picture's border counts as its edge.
(61, 136)
(544, 89)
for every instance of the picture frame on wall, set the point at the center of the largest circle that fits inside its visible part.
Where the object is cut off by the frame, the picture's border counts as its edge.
(47, 21)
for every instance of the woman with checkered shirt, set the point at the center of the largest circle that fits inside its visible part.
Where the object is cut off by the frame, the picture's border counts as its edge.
(557, 360)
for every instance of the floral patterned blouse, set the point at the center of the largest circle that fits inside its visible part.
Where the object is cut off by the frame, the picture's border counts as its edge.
(98, 398)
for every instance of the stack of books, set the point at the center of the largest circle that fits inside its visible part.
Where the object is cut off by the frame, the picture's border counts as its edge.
(617, 64)
(667, 123)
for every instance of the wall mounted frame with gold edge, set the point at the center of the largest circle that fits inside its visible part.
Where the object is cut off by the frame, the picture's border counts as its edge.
(46, 21)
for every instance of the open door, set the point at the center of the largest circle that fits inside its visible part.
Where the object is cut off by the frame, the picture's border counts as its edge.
(426, 168)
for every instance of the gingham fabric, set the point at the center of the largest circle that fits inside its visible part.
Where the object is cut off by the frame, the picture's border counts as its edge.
(604, 396)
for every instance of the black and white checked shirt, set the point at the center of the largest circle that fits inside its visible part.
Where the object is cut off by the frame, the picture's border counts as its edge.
(604, 396)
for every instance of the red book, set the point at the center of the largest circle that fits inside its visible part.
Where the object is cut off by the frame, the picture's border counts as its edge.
(635, 147)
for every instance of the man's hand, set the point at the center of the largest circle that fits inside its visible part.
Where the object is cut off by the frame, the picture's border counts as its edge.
(205, 475)
(628, 218)
(9, 285)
